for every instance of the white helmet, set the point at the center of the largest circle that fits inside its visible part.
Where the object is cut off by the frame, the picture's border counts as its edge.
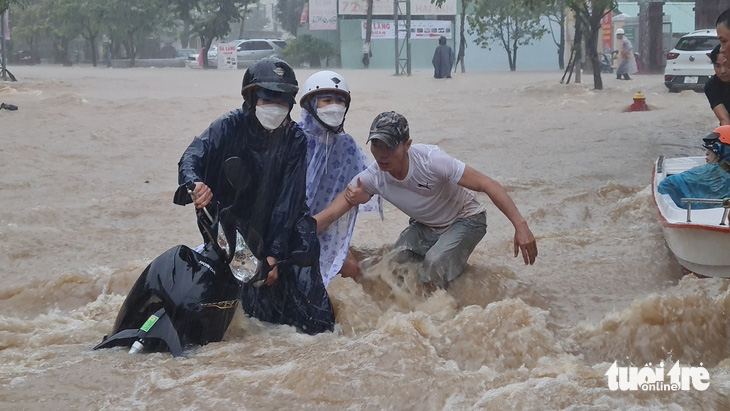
(619, 31)
(325, 81)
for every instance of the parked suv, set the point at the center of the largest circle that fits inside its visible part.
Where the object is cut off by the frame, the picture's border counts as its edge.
(253, 50)
(688, 63)
(249, 51)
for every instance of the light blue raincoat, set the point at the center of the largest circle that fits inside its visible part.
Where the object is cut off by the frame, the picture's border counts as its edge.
(333, 160)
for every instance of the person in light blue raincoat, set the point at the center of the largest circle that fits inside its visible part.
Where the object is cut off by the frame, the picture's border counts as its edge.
(333, 159)
(711, 180)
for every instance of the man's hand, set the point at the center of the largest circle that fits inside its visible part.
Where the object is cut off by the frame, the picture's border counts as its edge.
(202, 195)
(356, 195)
(274, 273)
(525, 242)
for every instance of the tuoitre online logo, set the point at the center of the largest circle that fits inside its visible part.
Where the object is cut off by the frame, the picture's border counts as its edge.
(647, 378)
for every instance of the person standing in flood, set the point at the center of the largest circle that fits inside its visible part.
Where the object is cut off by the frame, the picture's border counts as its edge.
(333, 159)
(717, 88)
(723, 31)
(443, 60)
(272, 206)
(626, 59)
(438, 193)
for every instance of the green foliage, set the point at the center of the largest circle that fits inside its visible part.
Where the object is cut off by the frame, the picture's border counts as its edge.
(30, 23)
(307, 49)
(288, 12)
(133, 20)
(209, 19)
(5, 4)
(508, 22)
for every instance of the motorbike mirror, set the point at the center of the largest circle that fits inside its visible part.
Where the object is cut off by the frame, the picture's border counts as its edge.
(237, 173)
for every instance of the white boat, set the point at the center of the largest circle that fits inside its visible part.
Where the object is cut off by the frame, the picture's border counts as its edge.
(699, 238)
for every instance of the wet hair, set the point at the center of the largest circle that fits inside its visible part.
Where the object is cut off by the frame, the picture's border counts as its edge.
(724, 18)
(714, 53)
(442, 40)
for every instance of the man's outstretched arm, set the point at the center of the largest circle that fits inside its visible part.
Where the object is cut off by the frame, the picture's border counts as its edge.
(524, 239)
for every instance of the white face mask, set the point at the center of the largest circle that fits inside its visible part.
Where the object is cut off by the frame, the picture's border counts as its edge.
(271, 115)
(332, 115)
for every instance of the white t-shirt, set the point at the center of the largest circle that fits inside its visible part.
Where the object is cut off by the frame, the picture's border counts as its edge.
(430, 193)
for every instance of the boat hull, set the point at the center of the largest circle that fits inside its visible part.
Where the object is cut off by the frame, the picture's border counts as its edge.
(701, 245)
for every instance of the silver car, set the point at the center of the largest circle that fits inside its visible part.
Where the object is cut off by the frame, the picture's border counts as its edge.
(688, 63)
(252, 50)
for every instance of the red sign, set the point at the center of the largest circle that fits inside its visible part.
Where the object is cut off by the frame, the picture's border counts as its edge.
(607, 32)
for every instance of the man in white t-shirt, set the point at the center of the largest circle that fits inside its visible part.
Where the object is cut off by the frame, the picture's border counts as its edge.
(438, 192)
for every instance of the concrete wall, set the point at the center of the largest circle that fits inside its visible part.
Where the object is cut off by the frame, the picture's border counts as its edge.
(542, 55)
(383, 50)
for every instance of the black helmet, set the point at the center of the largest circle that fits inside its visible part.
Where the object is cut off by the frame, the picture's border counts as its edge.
(271, 74)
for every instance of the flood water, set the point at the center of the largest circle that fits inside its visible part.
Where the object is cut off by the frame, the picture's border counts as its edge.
(88, 166)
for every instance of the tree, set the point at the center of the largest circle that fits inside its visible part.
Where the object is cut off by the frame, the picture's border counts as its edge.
(590, 12)
(209, 19)
(91, 18)
(462, 38)
(82, 17)
(136, 18)
(289, 12)
(61, 29)
(508, 22)
(5, 4)
(307, 49)
(555, 13)
(30, 25)
(706, 12)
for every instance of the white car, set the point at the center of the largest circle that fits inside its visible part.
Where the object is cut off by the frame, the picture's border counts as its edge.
(688, 63)
(213, 53)
(212, 58)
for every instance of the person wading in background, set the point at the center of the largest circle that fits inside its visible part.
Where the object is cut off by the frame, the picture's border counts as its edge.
(443, 60)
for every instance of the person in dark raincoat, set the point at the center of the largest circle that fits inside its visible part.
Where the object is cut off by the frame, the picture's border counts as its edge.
(271, 209)
(443, 60)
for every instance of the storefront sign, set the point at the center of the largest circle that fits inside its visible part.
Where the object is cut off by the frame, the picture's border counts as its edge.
(420, 29)
(323, 14)
(385, 7)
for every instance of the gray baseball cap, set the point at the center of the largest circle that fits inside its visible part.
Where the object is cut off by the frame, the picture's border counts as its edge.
(390, 128)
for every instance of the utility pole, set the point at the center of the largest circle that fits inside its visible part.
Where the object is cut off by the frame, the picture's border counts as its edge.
(402, 63)
(366, 52)
(4, 72)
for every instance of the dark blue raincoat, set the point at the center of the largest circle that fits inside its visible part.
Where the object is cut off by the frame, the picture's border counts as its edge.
(443, 61)
(273, 204)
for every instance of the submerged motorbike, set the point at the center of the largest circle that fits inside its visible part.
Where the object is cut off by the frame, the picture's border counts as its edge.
(189, 296)
(606, 60)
